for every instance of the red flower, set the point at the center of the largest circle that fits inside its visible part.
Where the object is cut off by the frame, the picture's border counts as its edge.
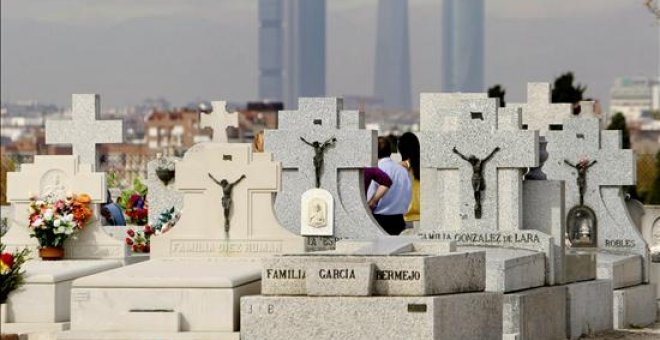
(7, 259)
(129, 241)
(130, 232)
(135, 247)
(148, 230)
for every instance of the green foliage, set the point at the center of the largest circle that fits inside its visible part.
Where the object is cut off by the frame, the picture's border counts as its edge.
(619, 123)
(654, 194)
(497, 91)
(12, 277)
(138, 188)
(112, 181)
(564, 91)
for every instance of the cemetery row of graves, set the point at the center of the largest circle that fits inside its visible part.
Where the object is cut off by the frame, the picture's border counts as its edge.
(524, 233)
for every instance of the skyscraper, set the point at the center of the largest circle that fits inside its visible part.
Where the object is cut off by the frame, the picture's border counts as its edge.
(392, 72)
(291, 50)
(463, 46)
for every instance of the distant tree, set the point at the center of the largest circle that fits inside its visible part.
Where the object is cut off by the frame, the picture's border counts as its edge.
(564, 91)
(619, 123)
(497, 91)
(654, 193)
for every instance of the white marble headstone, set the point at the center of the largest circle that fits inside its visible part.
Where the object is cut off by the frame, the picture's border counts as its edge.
(219, 120)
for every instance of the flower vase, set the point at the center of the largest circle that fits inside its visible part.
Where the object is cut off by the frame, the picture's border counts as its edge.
(51, 253)
(165, 175)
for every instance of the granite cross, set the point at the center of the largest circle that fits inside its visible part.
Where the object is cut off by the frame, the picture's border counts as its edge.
(539, 113)
(85, 130)
(612, 168)
(218, 120)
(449, 121)
(320, 119)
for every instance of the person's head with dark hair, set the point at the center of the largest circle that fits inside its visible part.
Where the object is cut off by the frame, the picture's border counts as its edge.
(384, 148)
(409, 150)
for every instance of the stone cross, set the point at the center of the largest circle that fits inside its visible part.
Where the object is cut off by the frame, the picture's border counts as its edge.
(582, 138)
(473, 125)
(200, 231)
(539, 113)
(219, 120)
(85, 130)
(320, 119)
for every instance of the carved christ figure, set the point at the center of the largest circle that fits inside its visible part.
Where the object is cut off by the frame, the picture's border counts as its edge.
(227, 201)
(319, 150)
(582, 166)
(478, 183)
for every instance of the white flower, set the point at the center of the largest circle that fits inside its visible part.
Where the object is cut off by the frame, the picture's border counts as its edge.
(57, 222)
(37, 222)
(48, 214)
(59, 230)
(68, 218)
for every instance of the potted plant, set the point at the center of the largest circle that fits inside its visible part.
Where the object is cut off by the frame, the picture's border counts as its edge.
(165, 169)
(53, 220)
(11, 275)
(134, 203)
(140, 240)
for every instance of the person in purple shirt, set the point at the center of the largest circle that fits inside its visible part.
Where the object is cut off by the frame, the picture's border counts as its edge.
(382, 179)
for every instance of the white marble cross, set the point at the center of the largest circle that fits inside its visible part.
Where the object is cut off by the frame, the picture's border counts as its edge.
(219, 120)
(539, 113)
(473, 126)
(85, 130)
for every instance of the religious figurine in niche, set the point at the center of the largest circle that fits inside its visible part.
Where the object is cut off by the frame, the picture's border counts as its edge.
(56, 189)
(582, 166)
(317, 213)
(478, 183)
(227, 201)
(582, 227)
(319, 150)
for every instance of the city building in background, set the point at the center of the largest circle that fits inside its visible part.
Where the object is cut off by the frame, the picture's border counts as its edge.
(291, 50)
(463, 46)
(392, 70)
(632, 96)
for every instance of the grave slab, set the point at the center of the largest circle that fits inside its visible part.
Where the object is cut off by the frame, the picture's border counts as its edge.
(339, 279)
(588, 308)
(634, 306)
(320, 120)
(471, 316)
(624, 270)
(394, 275)
(538, 313)
(509, 270)
(47, 285)
(204, 292)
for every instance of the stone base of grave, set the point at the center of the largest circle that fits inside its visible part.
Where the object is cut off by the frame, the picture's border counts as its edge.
(634, 306)
(537, 314)
(624, 270)
(35, 331)
(456, 316)
(579, 266)
(654, 273)
(164, 295)
(45, 296)
(509, 270)
(91, 335)
(589, 308)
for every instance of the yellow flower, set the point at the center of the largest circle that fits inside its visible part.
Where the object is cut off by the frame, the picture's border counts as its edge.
(4, 269)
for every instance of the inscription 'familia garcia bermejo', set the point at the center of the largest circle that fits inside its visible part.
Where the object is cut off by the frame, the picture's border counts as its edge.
(286, 274)
(398, 275)
(333, 274)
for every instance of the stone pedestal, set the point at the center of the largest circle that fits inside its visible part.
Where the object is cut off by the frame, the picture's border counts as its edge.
(580, 266)
(589, 308)
(165, 296)
(634, 306)
(456, 316)
(624, 270)
(509, 270)
(535, 314)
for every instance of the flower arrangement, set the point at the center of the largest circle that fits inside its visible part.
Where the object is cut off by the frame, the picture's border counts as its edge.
(53, 220)
(134, 203)
(11, 273)
(140, 240)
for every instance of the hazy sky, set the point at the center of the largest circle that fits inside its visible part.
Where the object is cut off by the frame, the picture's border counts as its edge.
(128, 50)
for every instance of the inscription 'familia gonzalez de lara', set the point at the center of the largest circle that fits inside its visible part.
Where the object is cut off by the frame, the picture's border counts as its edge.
(490, 238)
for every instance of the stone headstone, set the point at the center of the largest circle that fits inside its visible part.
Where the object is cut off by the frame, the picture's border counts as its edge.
(320, 120)
(61, 175)
(539, 113)
(85, 130)
(161, 196)
(202, 229)
(219, 120)
(596, 194)
(472, 126)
